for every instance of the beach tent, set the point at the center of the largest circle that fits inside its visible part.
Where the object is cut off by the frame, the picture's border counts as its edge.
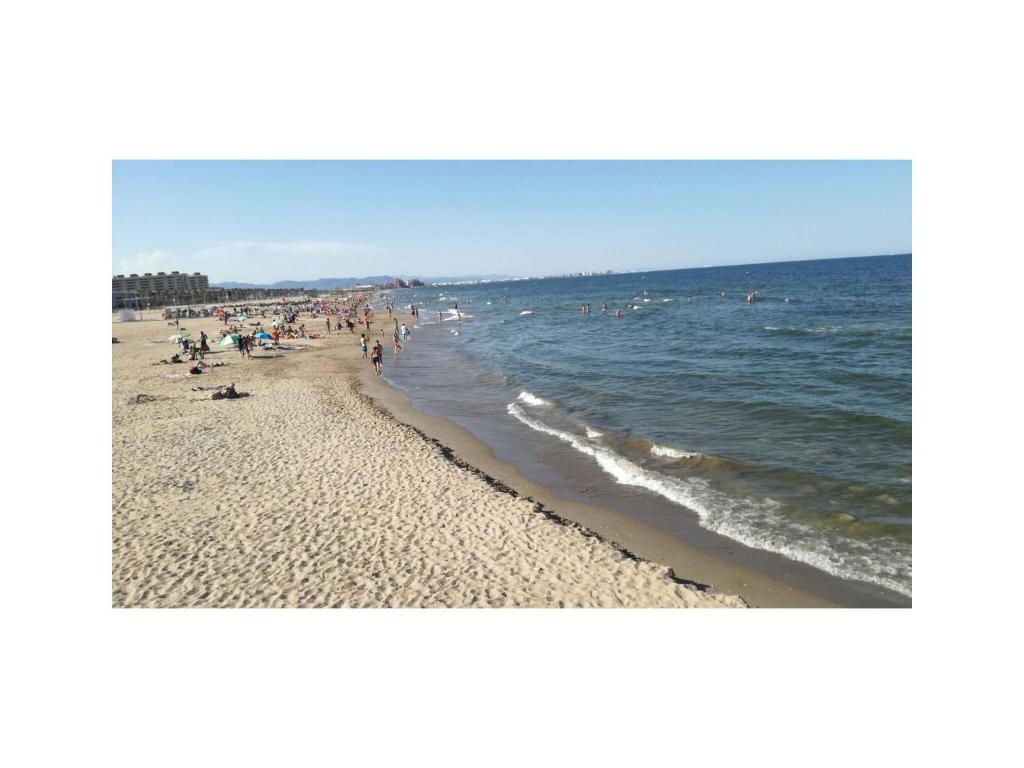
(263, 335)
(277, 322)
(230, 340)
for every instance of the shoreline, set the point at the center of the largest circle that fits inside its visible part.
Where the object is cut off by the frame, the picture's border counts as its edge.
(760, 577)
(756, 589)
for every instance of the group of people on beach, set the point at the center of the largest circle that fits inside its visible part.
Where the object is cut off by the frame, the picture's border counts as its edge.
(246, 335)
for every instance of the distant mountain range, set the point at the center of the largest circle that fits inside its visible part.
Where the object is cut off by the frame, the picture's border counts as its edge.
(332, 283)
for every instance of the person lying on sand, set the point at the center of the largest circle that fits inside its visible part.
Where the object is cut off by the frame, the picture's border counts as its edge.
(175, 358)
(228, 393)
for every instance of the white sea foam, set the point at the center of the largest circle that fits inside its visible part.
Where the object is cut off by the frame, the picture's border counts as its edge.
(531, 399)
(757, 524)
(526, 312)
(593, 434)
(672, 453)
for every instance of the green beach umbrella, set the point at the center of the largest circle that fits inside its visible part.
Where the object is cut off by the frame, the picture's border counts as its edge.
(230, 340)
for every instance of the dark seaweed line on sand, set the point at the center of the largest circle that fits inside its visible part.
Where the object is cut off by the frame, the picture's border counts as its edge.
(538, 507)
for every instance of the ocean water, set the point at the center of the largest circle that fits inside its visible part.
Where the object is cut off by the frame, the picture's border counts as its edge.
(783, 425)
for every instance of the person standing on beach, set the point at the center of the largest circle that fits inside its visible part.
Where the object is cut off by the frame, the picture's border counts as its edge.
(328, 326)
(439, 318)
(241, 345)
(362, 344)
(405, 332)
(397, 347)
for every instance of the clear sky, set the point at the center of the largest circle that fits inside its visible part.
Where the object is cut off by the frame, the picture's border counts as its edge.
(262, 221)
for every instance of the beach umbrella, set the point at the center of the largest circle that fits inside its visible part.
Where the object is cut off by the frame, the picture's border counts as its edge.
(179, 336)
(277, 322)
(230, 340)
(243, 317)
(263, 335)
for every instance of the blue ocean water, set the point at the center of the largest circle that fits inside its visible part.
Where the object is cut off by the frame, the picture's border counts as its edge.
(784, 424)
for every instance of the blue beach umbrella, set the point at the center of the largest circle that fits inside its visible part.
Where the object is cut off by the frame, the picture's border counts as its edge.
(263, 335)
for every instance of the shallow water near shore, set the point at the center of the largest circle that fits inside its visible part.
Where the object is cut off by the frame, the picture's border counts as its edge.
(782, 425)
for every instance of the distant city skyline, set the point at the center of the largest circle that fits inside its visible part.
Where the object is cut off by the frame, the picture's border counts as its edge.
(265, 221)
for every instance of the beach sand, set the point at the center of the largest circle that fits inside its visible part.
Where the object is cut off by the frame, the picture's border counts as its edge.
(309, 493)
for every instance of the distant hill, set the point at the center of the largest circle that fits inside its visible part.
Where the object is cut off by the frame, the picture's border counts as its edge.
(332, 283)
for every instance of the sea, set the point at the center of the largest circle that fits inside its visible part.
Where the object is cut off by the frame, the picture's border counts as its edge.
(783, 425)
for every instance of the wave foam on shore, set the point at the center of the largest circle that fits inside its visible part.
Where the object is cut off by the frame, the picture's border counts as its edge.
(755, 523)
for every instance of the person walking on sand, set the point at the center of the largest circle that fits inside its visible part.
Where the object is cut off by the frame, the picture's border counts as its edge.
(376, 358)
(362, 344)
(405, 332)
(397, 347)
(241, 345)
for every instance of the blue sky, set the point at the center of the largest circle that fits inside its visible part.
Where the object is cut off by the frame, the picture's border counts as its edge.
(262, 221)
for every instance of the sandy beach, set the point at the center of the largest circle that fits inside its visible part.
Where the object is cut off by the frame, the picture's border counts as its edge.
(310, 493)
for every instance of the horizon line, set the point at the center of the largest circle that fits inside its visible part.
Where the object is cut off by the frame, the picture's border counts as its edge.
(601, 273)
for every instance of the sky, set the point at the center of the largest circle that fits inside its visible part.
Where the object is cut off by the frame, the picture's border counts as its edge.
(264, 221)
